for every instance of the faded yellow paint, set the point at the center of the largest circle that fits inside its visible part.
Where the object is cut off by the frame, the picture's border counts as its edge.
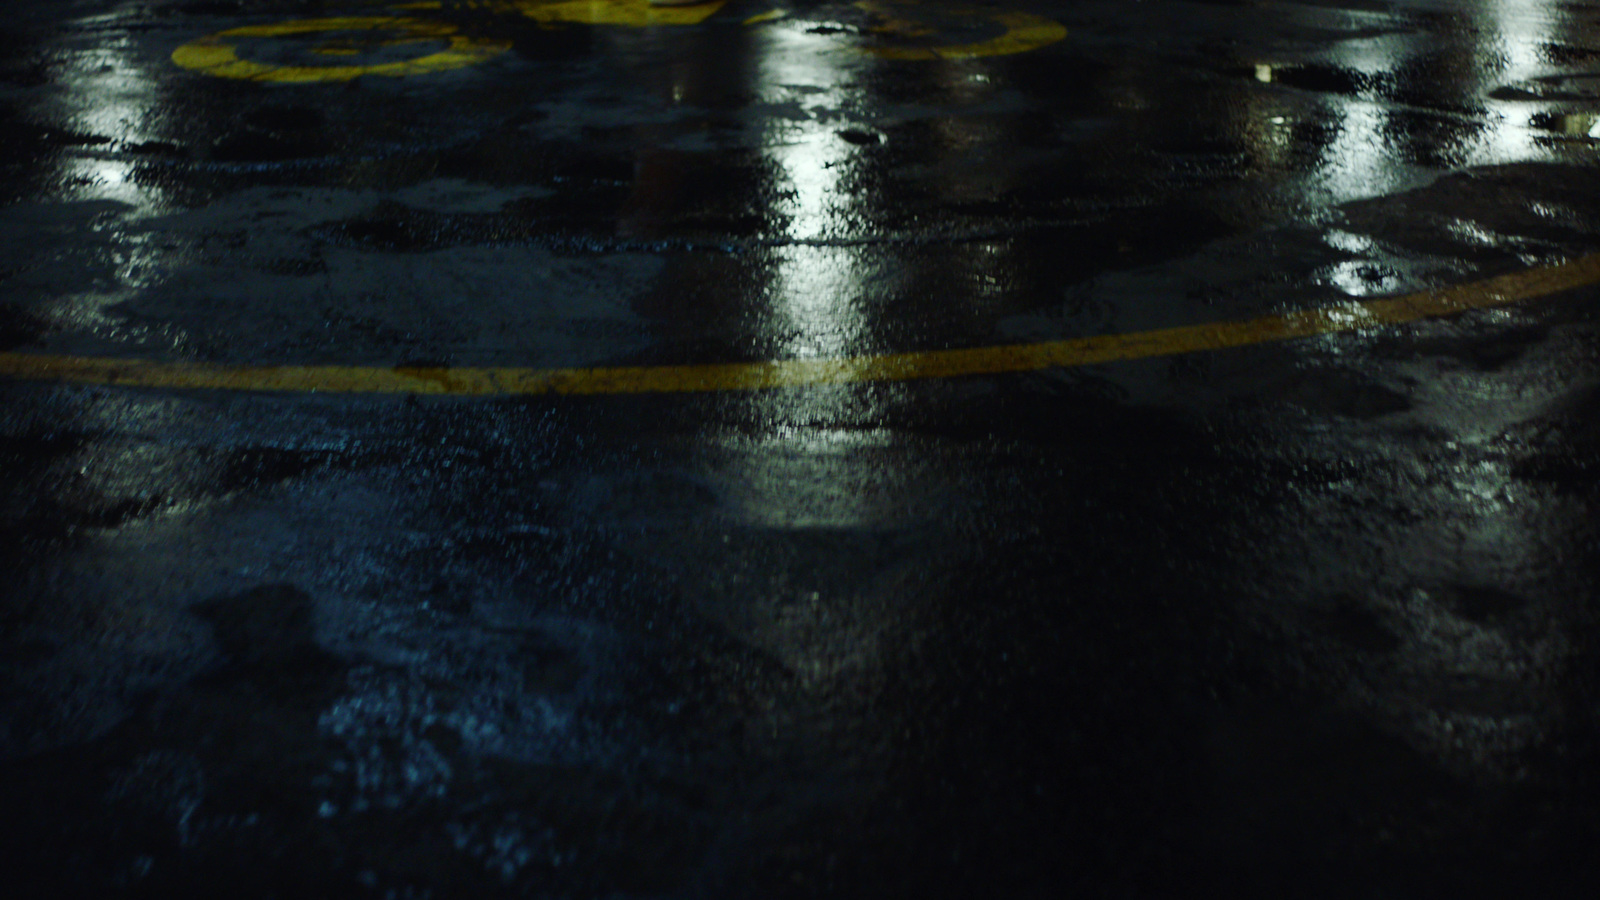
(1500, 291)
(627, 13)
(1023, 32)
(218, 54)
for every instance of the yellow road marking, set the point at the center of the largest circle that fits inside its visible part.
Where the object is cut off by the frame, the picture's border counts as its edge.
(1352, 316)
(217, 54)
(627, 13)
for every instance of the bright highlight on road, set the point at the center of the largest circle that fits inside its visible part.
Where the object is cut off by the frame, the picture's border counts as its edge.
(503, 381)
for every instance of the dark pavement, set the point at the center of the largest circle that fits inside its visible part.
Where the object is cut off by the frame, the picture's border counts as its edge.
(574, 450)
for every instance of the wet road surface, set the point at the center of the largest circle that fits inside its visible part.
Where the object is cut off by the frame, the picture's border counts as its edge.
(576, 450)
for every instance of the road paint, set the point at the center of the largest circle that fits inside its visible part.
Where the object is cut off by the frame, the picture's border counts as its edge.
(1023, 32)
(218, 54)
(626, 13)
(477, 382)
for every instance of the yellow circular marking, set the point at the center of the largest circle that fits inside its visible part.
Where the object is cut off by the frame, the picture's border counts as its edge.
(1353, 316)
(217, 54)
(1023, 32)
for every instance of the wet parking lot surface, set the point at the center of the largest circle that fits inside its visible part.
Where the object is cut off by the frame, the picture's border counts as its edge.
(586, 449)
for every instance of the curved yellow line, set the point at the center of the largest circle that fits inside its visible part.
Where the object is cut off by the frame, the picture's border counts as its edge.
(215, 55)
(1500, 291)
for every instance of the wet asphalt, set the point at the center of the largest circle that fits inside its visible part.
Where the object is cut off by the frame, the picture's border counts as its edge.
(1309, 618)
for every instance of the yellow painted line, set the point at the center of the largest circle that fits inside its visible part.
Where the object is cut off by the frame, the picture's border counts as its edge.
(218, 55)
(1356, 315)
(772, 16)
(626, 13)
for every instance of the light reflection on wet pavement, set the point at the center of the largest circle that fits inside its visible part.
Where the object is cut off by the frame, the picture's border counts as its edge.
(1306, 618)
